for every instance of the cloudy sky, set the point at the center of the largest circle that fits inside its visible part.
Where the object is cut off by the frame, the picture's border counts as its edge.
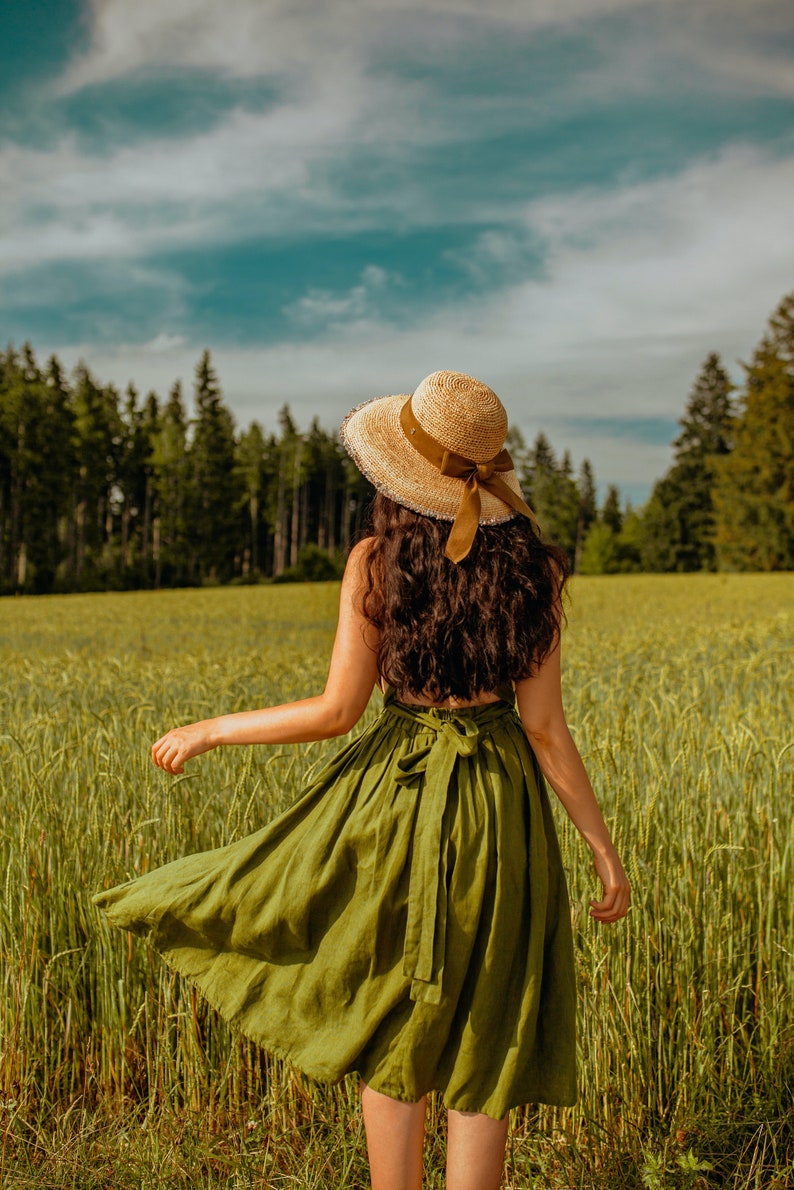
(574, 200)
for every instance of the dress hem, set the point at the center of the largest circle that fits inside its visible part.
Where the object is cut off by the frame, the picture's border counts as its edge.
(318, 1073)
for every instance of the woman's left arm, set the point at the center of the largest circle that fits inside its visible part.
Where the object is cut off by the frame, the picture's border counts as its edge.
(351, 677)
(540, 707)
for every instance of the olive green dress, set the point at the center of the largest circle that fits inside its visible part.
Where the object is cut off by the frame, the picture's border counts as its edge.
(406, 917)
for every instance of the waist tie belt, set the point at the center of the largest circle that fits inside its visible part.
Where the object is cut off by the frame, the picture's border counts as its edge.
(456, 735)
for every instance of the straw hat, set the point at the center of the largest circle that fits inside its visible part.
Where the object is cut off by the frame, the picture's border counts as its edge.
(439, 452)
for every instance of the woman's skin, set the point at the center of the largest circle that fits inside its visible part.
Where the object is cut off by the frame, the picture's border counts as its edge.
(395, 1130)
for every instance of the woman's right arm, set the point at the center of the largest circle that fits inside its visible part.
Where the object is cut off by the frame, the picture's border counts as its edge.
(352, 674)
(540, 707)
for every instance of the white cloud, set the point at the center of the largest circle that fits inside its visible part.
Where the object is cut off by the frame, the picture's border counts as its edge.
(280, 171)
(668, 268)
(322, 309)
(639, 286)
(160, 192)
(300, 38)
(242, 38)
(164, 342)
(639, 282)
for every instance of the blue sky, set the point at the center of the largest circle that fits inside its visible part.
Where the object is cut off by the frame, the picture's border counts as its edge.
(575, 200)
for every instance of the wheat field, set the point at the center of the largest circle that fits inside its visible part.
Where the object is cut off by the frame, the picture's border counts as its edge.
(113, 1074)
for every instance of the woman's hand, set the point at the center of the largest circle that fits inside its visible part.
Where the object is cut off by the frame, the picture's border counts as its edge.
(617, 892)
(351, 677)
(182, 743)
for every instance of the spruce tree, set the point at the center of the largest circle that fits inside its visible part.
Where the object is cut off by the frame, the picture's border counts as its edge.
(281, 513)
(679, 518)
(20, 392)
(215, 480)
(611, 514)
(660, 528)
(599, 551)
(57, 476)
(588, 508)
(99, 434)
(754, 492)
(552, 493)
(172, 493)
(253, 465)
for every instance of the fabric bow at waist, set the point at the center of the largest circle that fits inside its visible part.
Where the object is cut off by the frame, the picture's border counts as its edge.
(455, 735)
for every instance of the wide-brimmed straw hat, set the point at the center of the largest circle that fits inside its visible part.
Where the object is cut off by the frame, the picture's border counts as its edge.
(440, 452)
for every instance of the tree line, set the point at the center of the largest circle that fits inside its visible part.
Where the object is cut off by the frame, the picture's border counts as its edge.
(104, 490)
(727, 501)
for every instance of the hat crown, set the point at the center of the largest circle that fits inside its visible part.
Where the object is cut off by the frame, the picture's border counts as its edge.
(461, 413)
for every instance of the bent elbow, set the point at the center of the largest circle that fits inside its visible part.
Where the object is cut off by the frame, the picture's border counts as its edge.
(538, 737)
(340, 719)
(545, 733)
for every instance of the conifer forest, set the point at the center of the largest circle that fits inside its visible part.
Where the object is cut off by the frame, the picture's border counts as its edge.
(107, 490)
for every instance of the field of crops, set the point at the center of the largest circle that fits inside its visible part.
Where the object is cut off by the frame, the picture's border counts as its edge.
(113, 1075)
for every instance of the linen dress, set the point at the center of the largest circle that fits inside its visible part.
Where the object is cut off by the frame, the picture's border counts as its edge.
(406, 917)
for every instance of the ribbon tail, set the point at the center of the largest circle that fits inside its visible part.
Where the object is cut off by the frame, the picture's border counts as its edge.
(467, 518)
(425, 936)
(497, 487)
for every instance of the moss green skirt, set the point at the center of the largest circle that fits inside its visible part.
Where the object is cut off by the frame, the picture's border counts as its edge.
(406, 917)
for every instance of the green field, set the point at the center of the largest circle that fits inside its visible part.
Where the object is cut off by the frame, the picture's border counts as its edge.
(112, 1075)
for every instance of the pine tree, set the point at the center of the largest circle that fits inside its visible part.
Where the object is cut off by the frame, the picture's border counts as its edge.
(611, 514)
(334, 456)
(516, 446)
(588, 508)
(20, 397)
(322, 483)
(754, 492)
(128, 477)
(215, 480)
(679, 523)
(280, 511)
(599, 551)
(135, 483)
(660, 528)
(172, 493)
(149, 428)
(628, 543)
(611, 544)
(99, 435)
(254, 464)
(552, 493)
(59, 464)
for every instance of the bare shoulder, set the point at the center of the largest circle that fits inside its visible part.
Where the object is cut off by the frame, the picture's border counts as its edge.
(361, 549)
(355, 585)
(355, 567)
(356, 577)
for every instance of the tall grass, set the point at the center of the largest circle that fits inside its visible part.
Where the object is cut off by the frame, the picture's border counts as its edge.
(113, 1074)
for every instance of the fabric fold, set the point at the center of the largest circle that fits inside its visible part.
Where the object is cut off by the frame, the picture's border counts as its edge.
(405, 917)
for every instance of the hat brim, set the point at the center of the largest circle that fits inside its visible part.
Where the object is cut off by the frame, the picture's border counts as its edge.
(373, 437)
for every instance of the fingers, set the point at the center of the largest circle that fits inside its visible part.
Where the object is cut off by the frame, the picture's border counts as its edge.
(613, 905)
(167, 753)
(181, 744)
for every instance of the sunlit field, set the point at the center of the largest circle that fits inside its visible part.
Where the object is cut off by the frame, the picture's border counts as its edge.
(113, 1075)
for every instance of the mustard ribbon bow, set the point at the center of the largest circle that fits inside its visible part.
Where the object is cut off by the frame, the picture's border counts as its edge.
(474, 476)
(456, 737)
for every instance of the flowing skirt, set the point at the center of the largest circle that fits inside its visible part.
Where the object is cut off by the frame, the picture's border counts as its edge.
(406, 917)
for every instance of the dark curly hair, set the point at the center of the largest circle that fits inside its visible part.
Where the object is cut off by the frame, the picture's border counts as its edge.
(450, 630)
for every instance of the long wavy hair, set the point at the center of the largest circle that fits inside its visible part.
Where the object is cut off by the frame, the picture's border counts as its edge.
(450, 630)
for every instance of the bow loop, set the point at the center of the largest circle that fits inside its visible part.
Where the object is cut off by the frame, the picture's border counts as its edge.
(464, 734)
(474, 475)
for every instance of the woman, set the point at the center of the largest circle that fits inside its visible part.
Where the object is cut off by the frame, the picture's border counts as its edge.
(406, 917)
